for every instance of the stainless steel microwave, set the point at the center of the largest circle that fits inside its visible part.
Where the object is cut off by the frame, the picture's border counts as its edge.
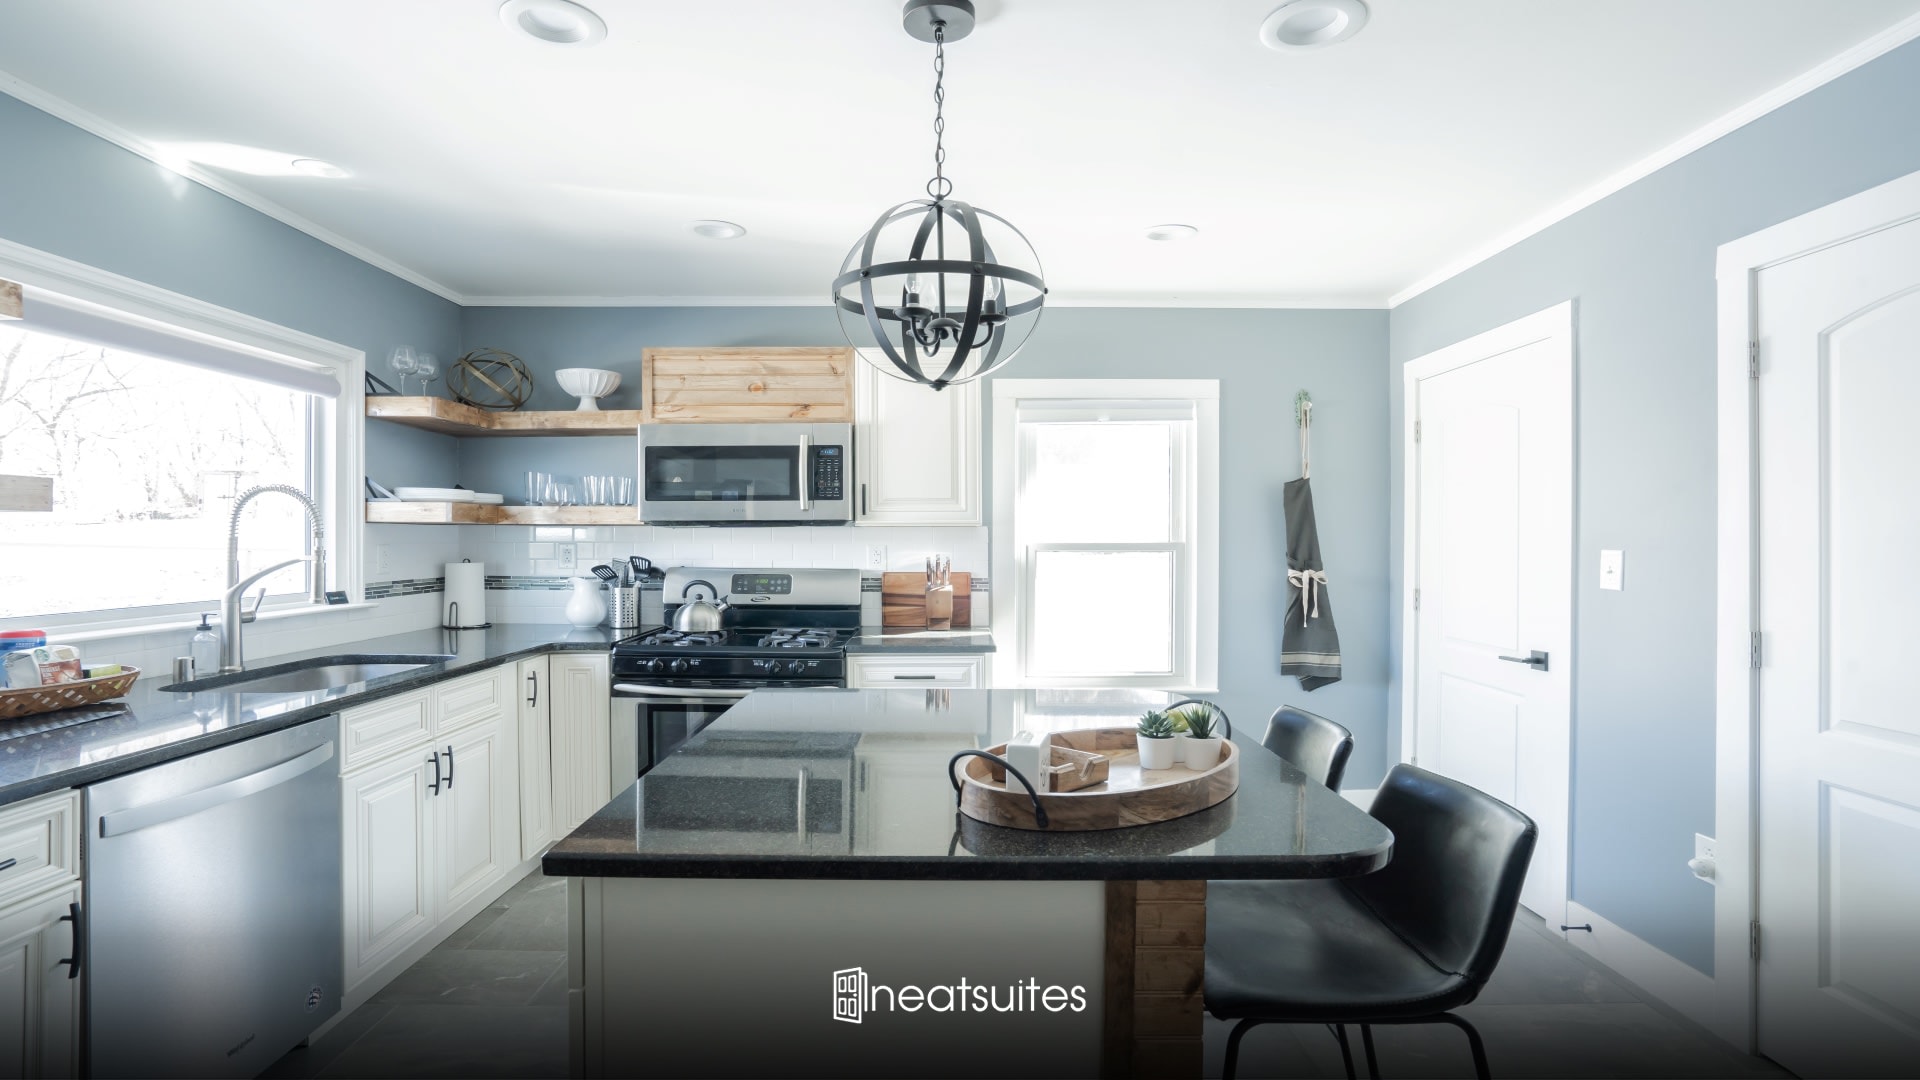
(746, 474)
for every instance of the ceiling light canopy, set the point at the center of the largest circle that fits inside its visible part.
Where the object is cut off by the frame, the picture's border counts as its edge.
(1312, 24)
(1167, 233)
(715, 229)
(313, 166)
(251, 160)
(556, 22)
(938, 285)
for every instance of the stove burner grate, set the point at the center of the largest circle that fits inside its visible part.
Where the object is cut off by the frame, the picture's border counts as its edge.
(799, 639)
(684, 639)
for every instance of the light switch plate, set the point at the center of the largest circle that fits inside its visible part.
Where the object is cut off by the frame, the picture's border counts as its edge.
(1705, 847)
(382, 561)
(1612, 569)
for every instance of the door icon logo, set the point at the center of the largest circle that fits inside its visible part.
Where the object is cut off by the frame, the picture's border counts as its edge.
(849, 993)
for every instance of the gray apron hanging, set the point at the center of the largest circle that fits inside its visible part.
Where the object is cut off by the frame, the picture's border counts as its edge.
(1309, 645)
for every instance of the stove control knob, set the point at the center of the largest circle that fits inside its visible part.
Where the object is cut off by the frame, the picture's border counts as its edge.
(651, 665)
(795, 667)
(677, 666)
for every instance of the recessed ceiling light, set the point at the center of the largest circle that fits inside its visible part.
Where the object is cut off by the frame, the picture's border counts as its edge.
(557, 22)
(1171, 232)
(326, 170)
(1311, 24)
(718, 230)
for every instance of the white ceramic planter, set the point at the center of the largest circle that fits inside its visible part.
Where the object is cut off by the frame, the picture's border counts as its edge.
(586, 607)
(1200, 754)
(1158, 753)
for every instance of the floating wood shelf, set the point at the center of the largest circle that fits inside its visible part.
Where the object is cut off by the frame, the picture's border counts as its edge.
(393, 512)
(446, 417)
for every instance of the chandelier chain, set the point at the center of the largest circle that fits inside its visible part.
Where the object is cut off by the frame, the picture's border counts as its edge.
(939, 187)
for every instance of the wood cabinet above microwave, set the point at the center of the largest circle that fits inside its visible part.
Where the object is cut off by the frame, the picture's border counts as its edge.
(746, 385)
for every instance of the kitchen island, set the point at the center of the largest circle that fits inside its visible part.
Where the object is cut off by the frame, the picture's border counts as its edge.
(793, 893)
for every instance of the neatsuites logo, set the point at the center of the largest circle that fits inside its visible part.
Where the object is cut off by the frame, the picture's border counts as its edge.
(854, 997)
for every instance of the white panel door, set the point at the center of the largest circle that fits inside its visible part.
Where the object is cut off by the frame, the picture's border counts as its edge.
(916, 452)
(1838, 431)
(582, 737)
(389, 892)
(39, 1004)
(1492, 536)
(477, 813)
(536, 757)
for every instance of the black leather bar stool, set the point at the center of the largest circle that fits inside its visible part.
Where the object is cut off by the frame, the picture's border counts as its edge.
(1316, 744)
(1403, 945)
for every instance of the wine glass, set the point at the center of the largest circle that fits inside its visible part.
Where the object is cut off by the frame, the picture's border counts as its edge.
(427, 366)
(404, 364)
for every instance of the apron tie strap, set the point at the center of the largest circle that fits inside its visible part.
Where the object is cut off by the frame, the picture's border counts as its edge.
(1308, 582)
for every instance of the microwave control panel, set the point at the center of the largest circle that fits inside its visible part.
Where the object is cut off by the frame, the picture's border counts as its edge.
(827, 469)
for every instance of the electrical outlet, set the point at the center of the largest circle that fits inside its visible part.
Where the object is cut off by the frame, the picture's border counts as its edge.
(382, 561)
(564, 555)
(1705, 864)
(876, 557)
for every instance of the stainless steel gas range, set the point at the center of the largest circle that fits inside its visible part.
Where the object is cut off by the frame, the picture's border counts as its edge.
(781, 628)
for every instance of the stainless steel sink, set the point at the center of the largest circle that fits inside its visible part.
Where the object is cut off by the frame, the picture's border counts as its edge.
(318, 673)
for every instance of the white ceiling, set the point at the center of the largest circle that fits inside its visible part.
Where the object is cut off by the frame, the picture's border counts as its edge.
(494, 167)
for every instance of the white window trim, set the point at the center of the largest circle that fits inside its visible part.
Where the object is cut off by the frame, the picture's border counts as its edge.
(1198, 670)
(340, 442)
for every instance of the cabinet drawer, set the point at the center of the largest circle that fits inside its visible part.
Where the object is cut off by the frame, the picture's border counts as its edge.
(373, 732)
(39, 844)
(938, 672)
(474, 698)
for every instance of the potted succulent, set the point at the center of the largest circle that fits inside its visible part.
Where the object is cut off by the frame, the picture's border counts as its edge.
(1200, 750)
(1156, 739)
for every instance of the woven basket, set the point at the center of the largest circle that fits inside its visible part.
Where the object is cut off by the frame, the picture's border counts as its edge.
(33, 700)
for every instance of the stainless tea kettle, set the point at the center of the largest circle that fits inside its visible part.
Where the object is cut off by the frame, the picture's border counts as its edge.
(695, 615)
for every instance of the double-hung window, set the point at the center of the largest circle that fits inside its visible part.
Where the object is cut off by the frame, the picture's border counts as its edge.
(150, 430)
(1105, 531)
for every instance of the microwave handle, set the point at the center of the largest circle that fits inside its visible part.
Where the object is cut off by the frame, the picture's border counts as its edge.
(806, 474)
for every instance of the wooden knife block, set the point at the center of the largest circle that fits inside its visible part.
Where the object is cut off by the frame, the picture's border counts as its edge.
(903, 599)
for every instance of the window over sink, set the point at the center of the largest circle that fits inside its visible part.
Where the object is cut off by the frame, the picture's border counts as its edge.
(1105, 512)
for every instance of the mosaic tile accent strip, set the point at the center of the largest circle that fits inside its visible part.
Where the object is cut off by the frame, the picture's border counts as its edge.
(509, 583)
(382, 590)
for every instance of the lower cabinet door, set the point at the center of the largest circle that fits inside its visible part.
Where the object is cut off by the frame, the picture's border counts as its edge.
(387, 829)
(582, 732)
(536, 757)
(477, 813)
(39, 1003)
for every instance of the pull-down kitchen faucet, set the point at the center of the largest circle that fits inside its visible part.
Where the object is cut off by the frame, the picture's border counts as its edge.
(231, 617)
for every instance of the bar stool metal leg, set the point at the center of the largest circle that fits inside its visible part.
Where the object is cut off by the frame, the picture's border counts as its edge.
(1346, 1051)
(1366, 1040)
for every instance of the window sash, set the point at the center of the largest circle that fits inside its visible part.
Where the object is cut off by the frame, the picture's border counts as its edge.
(1180, 631)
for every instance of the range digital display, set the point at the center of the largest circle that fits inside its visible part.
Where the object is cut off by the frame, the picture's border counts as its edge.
(768, 584)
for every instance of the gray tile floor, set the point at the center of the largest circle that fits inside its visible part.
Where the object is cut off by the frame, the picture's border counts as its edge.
(490, 1002)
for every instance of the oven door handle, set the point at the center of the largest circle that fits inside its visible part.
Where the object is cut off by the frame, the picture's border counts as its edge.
(678, 693)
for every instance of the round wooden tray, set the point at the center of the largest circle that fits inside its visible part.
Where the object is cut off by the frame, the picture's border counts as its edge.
(1130, 796)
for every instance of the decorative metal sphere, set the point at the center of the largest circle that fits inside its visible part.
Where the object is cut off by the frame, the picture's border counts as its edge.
(490, 379)
(942, 289)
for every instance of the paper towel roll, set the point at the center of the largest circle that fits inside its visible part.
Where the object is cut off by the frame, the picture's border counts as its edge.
(464, 605)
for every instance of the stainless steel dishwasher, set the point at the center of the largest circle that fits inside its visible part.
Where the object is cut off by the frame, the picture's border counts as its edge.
(213, 930)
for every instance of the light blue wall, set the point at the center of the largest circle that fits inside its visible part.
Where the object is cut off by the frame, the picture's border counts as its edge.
(1640, 266)
(1260, 356)
(68, 192)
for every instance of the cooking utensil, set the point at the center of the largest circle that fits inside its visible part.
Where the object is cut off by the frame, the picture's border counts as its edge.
(695, 615)
(605, 573)
(644, 570)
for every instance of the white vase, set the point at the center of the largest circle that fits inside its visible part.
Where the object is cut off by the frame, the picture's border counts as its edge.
(1201, 754)
(586, 607)
(1158, 753)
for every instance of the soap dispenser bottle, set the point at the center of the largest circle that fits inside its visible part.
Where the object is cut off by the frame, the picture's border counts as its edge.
(205, 648)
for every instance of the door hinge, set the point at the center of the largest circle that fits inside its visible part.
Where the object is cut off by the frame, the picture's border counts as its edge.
(1416, 599)
(1753, 359)
(1416, 431)
(1753, 643)
(1753, 938)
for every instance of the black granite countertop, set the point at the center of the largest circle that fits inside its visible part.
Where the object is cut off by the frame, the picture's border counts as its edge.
(908, 639)
(150, 726)
(880, 805)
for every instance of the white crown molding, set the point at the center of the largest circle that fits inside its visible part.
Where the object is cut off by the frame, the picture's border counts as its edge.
(61, 109)
(1871, 49)
(645, 301)
(1092, 300)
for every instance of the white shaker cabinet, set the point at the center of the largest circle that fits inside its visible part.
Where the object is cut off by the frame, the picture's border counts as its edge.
(916, 451)
(534, 692)
(908, 671)
(477, 812)
(581, 715)
(39, 890)
(388, 832)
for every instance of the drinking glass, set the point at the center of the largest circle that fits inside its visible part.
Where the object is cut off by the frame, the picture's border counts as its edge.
(625, 496)
(537, 488)
(563, 493)
(404, 364)
(427, 366)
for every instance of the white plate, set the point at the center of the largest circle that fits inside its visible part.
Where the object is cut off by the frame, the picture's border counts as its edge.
(420, 494)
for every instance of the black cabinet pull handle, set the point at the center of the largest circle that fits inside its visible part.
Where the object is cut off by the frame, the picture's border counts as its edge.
(449, 766)
(8, 865)
(73, 962)
(435, 786)
(911, 678)
(533, 693)
(863, 500)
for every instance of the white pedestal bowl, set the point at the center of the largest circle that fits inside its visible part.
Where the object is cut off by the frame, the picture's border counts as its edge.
(588, 384)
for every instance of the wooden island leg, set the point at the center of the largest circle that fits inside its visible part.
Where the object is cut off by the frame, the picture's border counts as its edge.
(1156, 937)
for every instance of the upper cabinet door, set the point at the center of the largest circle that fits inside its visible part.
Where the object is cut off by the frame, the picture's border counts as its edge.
(916, 451)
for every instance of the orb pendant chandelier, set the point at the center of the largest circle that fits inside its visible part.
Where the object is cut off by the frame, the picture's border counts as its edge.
(945, 292)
